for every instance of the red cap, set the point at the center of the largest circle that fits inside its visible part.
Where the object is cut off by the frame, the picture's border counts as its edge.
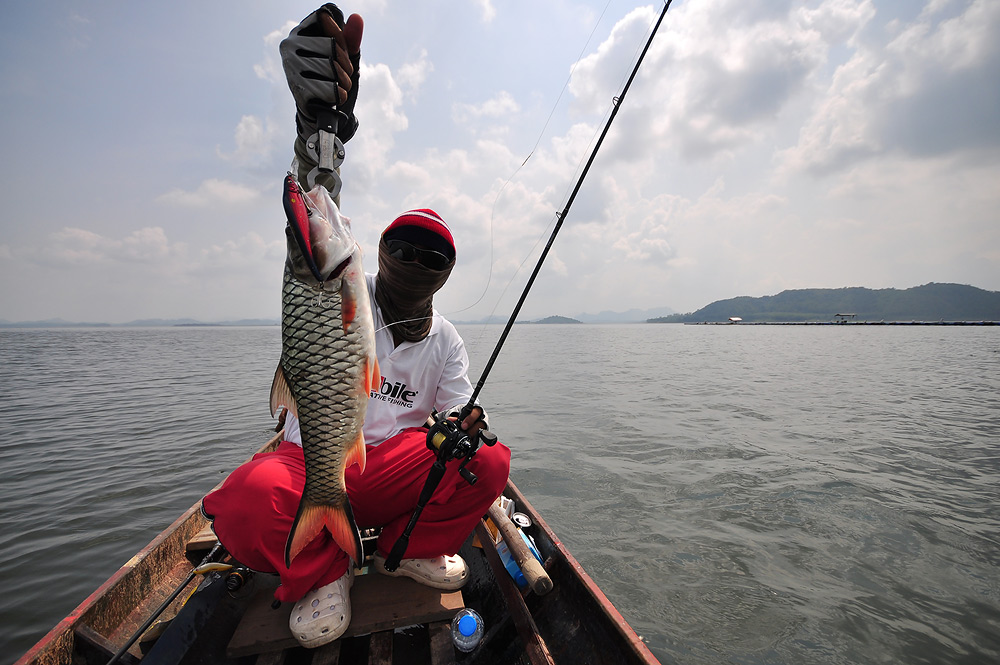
(438, 235)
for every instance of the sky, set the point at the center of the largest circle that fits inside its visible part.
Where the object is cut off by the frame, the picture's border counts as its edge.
(764, 145)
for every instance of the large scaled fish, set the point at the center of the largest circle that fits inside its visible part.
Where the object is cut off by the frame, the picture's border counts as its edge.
(328, 363)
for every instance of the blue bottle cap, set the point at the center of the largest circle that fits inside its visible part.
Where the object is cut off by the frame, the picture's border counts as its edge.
(467, 625)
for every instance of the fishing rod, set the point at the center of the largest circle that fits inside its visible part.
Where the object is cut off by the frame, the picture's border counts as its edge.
(561, 217)
(444, 437)
(205, 566)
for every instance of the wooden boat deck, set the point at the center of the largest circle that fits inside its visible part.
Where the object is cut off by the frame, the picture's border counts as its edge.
(395, 620)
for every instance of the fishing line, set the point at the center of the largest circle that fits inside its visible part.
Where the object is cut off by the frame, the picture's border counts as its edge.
(510, 178)
(561, 217)
(444, 436)
(541, 235)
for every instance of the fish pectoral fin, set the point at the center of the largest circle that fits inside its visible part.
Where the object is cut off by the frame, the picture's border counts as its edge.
(281, 394)
(373, 373)
(310, 520)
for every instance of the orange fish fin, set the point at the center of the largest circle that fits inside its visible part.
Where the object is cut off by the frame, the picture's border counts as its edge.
(356, 453)
(374, 375)
(307, 525)
(281, 394)
(310, 520)
(341, 525)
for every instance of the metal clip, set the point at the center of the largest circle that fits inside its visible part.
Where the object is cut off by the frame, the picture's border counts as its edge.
(327, 151)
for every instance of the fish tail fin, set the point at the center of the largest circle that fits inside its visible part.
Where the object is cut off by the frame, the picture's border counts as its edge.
(310, 520)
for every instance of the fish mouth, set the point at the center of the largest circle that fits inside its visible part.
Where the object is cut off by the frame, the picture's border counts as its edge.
(311, 220)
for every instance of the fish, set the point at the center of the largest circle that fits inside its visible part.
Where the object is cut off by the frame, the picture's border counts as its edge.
(328, 364)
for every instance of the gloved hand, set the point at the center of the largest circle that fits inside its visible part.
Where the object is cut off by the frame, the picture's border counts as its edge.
(321, 58)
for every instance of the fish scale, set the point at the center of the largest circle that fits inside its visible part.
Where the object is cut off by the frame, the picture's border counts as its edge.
(321, 368)
(328, 364)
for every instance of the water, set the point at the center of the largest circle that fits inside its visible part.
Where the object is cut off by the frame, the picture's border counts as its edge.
(743, 494)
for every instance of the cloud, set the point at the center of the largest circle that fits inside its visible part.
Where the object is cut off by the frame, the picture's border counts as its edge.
(929, 91)
(270, 69)
(210, 194)
(94, 277)
(79, 29)
(259, 138)
(599, 76)
(718, 75)
(381, 113)
(502, 106)
(489, 12)
(75, 247)
(255, 140)
(240, 256)
(765, 144)
(236, 259)
(411, 76)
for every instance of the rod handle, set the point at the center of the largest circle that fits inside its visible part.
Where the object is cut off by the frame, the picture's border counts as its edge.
(534, 573)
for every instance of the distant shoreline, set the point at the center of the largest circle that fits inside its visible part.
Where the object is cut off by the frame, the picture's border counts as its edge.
(843, 323)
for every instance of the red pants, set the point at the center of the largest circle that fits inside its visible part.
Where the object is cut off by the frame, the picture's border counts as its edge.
(253, 510)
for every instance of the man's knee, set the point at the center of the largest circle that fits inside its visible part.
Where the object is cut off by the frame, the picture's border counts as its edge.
(493, 467)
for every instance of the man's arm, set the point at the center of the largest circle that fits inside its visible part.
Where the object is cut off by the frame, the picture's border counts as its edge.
(321, 57)
(454, 388)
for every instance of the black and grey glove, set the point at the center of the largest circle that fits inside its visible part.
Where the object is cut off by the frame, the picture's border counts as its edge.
(321, 57)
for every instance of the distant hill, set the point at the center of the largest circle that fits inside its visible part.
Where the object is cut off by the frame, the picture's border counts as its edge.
(139, 323)
(557, 319)
(930, 302)
(606, 316)
(630, 316)
(51, 323)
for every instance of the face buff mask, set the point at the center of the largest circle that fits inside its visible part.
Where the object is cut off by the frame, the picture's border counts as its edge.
(404, 291)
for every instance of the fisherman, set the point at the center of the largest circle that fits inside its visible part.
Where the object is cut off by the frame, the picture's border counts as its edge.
(424, 366)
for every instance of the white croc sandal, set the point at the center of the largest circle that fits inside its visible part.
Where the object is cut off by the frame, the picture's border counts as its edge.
(323, 614)
(447, 572)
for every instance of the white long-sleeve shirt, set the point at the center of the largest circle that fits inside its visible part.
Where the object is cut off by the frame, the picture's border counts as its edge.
(416, 378)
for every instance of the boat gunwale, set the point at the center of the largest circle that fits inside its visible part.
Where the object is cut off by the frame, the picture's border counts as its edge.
(622, 628)
(117, 596)
(111, 603)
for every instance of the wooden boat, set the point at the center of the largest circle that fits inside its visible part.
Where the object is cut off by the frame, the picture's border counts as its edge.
(395, 620)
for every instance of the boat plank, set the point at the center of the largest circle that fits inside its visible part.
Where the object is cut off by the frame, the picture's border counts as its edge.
(574, 623)
(272, 658)
(378, 603)
(535, 647)
(442, 649)
(328, 654)
(203, 540)
(96, 646)
(144, 608)
(380, 649)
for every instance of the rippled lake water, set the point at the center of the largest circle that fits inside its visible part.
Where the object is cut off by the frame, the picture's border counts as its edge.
(744, 494)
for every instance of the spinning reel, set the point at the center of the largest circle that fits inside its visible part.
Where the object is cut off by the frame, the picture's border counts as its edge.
(449, 442)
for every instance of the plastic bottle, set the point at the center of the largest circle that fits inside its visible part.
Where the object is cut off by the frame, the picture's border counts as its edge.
(466, 630)
(511, 564)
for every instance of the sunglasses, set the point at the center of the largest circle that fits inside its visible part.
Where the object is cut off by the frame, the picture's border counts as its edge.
(428, 258)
